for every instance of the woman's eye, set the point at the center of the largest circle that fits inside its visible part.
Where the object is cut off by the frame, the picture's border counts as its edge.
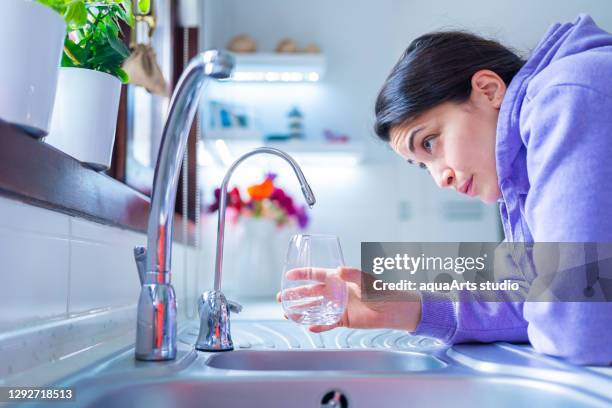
(428, 143)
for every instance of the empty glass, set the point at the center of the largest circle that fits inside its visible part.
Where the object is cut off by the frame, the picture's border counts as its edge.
(312, 293)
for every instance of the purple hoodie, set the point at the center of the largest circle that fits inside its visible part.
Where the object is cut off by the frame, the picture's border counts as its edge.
(553, 153)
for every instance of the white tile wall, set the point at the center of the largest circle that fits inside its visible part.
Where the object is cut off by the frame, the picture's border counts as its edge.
(34, 254)
(34, 276)
(54, 266)
(103, 272)
(101, 276)
(19, 216)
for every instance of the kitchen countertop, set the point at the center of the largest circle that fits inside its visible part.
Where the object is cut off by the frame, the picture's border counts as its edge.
(262, 328)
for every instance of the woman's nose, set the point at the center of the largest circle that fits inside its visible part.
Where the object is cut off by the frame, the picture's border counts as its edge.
(446, 179)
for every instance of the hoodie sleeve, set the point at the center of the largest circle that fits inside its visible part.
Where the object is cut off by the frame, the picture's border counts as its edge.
(468, 320)
(464, 317)
(568, 133)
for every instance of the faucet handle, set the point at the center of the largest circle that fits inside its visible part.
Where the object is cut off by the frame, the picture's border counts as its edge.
(140, 256)
(234, 307)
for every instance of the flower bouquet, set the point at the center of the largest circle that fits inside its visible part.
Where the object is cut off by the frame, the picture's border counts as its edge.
(266, 201)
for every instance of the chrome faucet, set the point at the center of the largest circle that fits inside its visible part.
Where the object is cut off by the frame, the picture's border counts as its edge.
(213, 307)
(156, 326)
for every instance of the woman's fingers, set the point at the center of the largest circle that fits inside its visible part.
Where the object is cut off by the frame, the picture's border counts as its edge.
(304, 297)
(322, 274)
(321, 328)
(350, 274)
(316, 274)
(305, 291)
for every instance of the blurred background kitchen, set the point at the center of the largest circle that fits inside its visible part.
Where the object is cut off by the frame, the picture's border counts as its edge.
(306, 79)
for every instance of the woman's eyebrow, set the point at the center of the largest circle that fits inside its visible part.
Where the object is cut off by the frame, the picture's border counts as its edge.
(411, 135)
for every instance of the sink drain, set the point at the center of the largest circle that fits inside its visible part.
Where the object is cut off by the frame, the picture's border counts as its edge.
(334, 399)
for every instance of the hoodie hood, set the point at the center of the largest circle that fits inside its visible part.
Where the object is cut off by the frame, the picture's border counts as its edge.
(564, 40)
(547, 64)
(559, 42)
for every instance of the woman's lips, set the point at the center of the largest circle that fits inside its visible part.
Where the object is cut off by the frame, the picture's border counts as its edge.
(470, 188)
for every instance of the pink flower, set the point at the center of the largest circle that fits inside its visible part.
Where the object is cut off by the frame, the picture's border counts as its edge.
(275, 205)
(302, 217)
(233, 200)
(283, 201)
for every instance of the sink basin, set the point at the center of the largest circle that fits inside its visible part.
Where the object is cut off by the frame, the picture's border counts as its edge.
(456, 392)
(325, 360)
(280, 364)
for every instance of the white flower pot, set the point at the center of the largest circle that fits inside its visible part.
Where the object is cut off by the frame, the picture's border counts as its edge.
(85, 116)
(31, 41)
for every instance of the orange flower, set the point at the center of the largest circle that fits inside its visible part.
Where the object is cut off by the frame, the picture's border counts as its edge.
(261, 191)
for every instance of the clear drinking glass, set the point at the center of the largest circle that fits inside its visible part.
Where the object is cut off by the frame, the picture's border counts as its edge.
(312, 293)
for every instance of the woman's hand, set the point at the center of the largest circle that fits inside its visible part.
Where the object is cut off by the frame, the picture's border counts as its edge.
(400, 310)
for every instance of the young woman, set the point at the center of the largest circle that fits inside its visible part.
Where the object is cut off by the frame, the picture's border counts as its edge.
(534, 136)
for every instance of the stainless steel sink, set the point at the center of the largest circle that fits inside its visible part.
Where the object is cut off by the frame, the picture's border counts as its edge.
(456, 392)
(279, 364)
(325, 360)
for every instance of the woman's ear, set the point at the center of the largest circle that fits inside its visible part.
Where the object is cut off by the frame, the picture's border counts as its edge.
(488, 87)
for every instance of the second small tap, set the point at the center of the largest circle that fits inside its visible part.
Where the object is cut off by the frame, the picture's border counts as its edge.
(213, 307)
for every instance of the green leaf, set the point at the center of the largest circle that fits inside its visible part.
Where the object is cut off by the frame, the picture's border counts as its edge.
(122, 75)
(76, 54)
(144, 6)
(121, 13)
(117, 45)
(67, 62)
(57, 5)
(105, 56)
(127, 7)
(76, 14)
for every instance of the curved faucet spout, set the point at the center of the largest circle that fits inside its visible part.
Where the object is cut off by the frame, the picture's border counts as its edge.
(183, 107)
(306, 190)
(156, 320)
(213, 307)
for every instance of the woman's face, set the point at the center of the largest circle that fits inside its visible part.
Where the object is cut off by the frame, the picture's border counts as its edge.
(456, 142)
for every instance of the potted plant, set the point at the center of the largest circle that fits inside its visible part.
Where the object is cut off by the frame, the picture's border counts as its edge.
(89, 85)
(31, 38)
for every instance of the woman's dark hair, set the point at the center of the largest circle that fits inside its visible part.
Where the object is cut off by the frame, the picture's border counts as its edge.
(436, 68)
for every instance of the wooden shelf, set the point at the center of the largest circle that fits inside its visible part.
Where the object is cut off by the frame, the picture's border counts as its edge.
(38, 174)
